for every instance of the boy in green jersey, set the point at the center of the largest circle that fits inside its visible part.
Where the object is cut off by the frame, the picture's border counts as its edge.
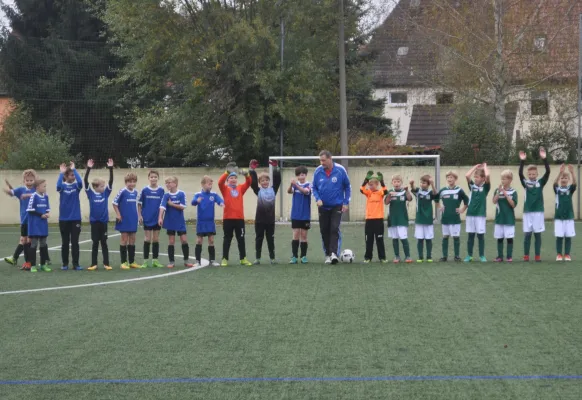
(533, 204)
(479, 187)
(423, 224)
(564, 218)
(450, 198)
(505, 200)
(398, 217)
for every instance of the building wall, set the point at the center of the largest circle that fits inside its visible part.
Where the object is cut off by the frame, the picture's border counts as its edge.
(189, 181)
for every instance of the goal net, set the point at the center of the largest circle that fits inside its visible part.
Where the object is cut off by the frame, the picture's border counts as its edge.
(407, 166)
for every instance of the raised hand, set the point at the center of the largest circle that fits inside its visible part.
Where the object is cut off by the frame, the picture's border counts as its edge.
(543, 153)
(411, 182)
(369, 175)
(571, 169)
(380, 176)
(63, 168)
(562, 168)
(273, 163)
(253, 164)
(90, 163)
(72, 165)
(522, 155)
(110, 163)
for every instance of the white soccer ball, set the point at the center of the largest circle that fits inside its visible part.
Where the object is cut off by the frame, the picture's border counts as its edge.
(347, 256)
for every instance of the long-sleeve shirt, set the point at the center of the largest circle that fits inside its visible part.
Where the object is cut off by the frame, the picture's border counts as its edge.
(266, 197)
(374, 202)
(69, 202)
(332, 187)
(233, 197)
(98, 202)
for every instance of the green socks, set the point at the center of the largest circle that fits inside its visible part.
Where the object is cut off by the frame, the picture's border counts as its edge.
(396, 247)
(509, 248)
(559, 245)
(568, 246)
(406, 248)
(538, 243)
(419, 247)
(481, 240)
(457, 246)
(527, 244)
(445, 247)
(500, 248)
(428, 249)
(470, 244)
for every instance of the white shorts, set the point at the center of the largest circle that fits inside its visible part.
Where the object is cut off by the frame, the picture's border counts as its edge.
(564, 228)
(423, 231)
(533, 222)
(504, 231)
(398, 232)
(475, 225)
(452, 230)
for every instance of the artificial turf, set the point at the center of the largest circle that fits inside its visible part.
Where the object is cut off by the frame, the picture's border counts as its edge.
(297, 321)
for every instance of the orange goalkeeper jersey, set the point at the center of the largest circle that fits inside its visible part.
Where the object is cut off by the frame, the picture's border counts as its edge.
(375, 202)
(233, 197)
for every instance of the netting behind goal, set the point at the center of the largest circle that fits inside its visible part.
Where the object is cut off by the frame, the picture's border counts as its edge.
(408, 167)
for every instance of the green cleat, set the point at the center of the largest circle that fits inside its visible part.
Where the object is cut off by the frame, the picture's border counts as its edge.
(156, 264)
(33, 269)
(429, 260)
(145, 264)
(45, 268)
(420, 260)
(246, 262)
(384, 261)
(10, 260)
(367, 261)
(468, 259)
(224, 263)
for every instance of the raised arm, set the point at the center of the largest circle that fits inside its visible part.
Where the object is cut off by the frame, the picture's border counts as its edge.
(469, 174)
(110, 167)
(546, 176)
(90, 165)
(222, 182)
(254, 181)
(276, 177)
(486, 171)
(78, 179)
(557, 180)
(571, 169)
(364, 188)
(522, 157)
(62, 169)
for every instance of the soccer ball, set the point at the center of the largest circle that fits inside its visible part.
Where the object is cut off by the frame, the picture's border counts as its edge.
(347, 256)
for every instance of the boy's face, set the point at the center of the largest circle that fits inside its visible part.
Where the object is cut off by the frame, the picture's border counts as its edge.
(451, 180)
(301, 178)
(373, 185)
(207, 186)
(532, 174)
(478, 179)
(564, 180)
(153, 178)
(70, 177)
(506, 181)
(41, 188)
(130, 184)
(171, 186)
(424, 185)
(232, 180)
(397, 183)
(29, 181)
(100, 188)
(264, 182)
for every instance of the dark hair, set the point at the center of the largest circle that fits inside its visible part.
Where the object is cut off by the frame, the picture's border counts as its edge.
(325, 153)
(300, 170)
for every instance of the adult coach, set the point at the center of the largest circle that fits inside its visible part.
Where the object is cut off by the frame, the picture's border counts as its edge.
(332, 192)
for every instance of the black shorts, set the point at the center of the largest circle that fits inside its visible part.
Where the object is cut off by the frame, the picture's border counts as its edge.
(174, 233)
(24, 230)
(300, 224)
(205, 234)
(152, 228)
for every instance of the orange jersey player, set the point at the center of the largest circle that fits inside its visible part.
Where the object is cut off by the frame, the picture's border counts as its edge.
(375, 190)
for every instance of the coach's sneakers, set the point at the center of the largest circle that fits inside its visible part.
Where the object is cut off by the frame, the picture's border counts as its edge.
(245, 262)
(304, 260)
(107, 267)
(224, 263)
(157, 264)
(567, 257)
(468, 259)
(327, 260)
(45, 268)
(538, 258)
(526, 258)
(125, 266)
(482, 259)
(92, 268)
(334, 259)
(559, 257)
(10, 260)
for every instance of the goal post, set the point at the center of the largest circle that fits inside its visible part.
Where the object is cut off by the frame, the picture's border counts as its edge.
(374, 160)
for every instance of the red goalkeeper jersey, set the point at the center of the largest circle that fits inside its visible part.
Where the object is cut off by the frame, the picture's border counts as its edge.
(233, 197)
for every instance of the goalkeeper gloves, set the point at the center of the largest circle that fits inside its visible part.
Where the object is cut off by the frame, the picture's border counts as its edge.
(369, 176)
(380, 178)
(244, 172)
(253, 164)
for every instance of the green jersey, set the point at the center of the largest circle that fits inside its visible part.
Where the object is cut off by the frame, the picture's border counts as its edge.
(451, 199)
(564, 208)
(534, 190)
(504, 213)
(424, 209)
(478, 199)
(397, 211)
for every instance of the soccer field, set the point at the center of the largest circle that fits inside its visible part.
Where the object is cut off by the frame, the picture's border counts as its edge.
(350, 331)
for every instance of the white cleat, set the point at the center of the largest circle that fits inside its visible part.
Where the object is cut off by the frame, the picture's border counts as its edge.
(334, 259)
(327, 260)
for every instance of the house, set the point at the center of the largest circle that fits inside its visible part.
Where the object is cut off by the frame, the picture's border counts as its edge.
(541, 70)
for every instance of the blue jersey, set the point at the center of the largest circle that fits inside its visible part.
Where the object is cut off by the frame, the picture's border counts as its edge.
(69, 203)
(205, 213)
(18, 193)
(174, 218)
(150, 200)
(333, 190)
(98, 204)
(301, 204)
(38, 205)
(126, 201)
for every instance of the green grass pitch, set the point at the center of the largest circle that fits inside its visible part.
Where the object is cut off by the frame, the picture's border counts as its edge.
(296, 321)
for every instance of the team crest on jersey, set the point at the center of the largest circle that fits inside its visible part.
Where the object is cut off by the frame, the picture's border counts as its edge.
(234, 193)
(334, 179)
(455, 196)
(211, 198)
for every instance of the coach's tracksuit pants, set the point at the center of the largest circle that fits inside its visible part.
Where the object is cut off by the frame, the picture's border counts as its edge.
(329, 223)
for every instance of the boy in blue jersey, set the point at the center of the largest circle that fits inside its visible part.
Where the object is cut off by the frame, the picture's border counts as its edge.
(172, 220)
(148, 208)
(38, 214)
(69, 185)
(22, 193)
(205, 225)
(98, 194)
(300, 188)
(125, 206)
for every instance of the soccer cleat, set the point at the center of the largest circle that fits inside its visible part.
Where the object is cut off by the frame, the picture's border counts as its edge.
(134, 265)
(482, 259)
(559, 257)
(170, 265)
(420, 261)
(10, 260)
(499, 259)
(334, 259)
(509, 259)
(33, 269)
(92, 268)
(107, 267)
(224, 263)
(429, 260)
(367, 261)
(45, 268)
(443, 259)
(468, 259)
(304, 260)
(78, 268)
(256, 262)
(384, 261)
(327, 260)
(189, 265)
(538, 258)
(214, 263)
(458, 259)
(65, 268)
(26, 266)
(396, 260)
(125, 266)
(408, 260)
(526, 258)
(245, 262)
(293, 260)
(157, 264)
(146, 264)
(273, 261)
(567, 257)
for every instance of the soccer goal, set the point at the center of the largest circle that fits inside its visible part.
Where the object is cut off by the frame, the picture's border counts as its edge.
(407, 166)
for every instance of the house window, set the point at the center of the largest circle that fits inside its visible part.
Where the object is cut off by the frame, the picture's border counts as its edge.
(402, 51)
(540, 43)
(539, 103)
(445, 98)
(398, 98)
